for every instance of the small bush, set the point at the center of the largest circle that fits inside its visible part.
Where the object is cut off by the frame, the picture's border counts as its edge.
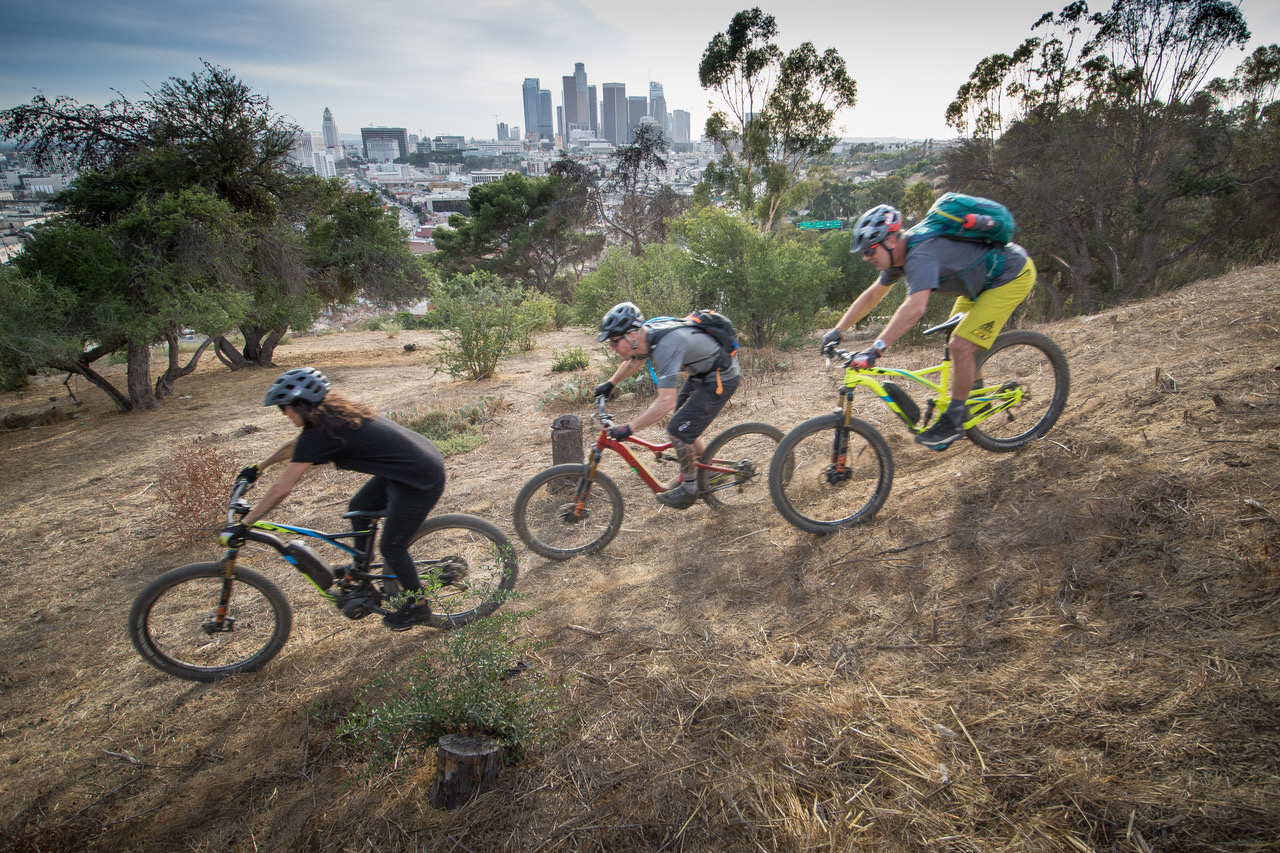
(537, 314)
(459, 431)
(473, 680)
(194, 486)
(483, 325)
(576, 389)
(575, 358)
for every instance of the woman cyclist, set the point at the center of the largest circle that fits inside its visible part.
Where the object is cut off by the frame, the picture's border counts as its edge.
(407, 472)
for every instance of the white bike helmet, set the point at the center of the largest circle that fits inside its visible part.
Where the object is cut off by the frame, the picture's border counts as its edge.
(301, 383)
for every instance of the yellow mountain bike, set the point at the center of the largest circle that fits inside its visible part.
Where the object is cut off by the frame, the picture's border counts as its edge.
(835, 471)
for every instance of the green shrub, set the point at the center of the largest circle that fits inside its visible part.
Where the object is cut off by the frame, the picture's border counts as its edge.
(389, 323)
(473, 680)
(482, 325)
(575, 358)
(459, 431)
(575, 389)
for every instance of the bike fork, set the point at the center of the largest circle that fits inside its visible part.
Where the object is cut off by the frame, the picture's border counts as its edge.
(584, 484)
(840, 442)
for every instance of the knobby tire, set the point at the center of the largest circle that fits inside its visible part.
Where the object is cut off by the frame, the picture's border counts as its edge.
(807, 490)
(1039, 367)
(749, 447)
(168, 618)
(544, 519)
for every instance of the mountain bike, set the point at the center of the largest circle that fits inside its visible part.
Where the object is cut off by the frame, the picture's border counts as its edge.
(838, 468)
(207, 621)
(575, 509)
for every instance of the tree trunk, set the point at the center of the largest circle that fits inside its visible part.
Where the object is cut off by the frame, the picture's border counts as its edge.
(175, 371)
(465, 767)
(268, 349)
(227, 354)
(81, 368)
(141, 396)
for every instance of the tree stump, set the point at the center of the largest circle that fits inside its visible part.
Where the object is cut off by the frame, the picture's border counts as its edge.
(465, 767)
(566, 446)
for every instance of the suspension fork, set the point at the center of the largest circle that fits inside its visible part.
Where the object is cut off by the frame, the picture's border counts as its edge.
(840, 442)
(228, 577)
(584, 484)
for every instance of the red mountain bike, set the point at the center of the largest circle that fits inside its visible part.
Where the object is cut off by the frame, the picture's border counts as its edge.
(575, 509)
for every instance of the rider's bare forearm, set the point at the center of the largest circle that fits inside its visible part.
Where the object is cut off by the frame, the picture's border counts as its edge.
(285, 452)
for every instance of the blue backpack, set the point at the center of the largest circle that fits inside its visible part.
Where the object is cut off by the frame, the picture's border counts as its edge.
(966, 217)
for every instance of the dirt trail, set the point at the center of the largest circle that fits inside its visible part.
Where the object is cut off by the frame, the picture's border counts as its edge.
(1072, 647)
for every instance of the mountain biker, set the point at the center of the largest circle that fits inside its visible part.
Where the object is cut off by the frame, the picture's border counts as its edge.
(698, 401)
(407, 473)
(951, 267)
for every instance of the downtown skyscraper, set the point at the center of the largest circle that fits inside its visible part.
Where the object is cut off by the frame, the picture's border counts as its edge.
(329, 130)
(613, 113)
(539, 118)
(658, 109)
(577, 114)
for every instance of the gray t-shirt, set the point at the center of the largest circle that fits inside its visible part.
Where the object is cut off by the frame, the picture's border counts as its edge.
(687, 349)
(957, 267)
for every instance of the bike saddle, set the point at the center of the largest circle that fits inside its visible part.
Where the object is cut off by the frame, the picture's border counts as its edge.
(950, 324)
(365, 513)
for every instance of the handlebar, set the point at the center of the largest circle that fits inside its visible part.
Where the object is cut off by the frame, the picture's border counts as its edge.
(605, 419)
(237, 507)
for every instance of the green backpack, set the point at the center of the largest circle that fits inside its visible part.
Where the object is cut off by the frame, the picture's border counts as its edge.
(967, 217)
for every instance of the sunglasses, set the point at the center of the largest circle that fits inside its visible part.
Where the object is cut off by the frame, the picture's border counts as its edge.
(869, 252)
(613, 342)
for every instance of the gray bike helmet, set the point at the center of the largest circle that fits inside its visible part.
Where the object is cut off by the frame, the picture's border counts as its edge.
(301, 383)
(621, 319)
(876, 224)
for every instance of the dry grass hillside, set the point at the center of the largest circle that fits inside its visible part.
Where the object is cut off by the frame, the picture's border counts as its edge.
(1072, 647)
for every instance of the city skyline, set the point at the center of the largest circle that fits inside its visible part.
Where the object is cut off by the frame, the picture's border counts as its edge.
(448, 70)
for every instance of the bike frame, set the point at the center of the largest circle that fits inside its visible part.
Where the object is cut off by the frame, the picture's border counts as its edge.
(996, 399)
(604, 442)
(264, 533)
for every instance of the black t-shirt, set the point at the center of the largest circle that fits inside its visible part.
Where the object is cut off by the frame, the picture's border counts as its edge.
(379, 447)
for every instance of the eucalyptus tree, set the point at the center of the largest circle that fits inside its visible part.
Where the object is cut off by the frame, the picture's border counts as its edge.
(1103, 134)
(778, 110)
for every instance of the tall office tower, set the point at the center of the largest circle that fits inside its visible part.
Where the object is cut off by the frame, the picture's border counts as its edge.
(561, 130)
(580, 90)
(613, 113)
(570, 95)
(593, 109)
(329, 128)
(502, 131)
(576, 116)
(546, 115)
(680, 131)
(514, 133)
(529, 91)
(637, 108)
(658, 105)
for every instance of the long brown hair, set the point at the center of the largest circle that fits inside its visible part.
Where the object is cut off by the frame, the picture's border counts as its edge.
(335, 410)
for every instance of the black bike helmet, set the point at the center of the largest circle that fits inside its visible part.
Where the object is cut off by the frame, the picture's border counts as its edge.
(301, 383)
(621, 319)
(876, 224)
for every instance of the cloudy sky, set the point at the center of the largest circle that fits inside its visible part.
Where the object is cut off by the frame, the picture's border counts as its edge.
(450, 67)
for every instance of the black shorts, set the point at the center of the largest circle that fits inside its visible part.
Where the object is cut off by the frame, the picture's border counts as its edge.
(697, 405)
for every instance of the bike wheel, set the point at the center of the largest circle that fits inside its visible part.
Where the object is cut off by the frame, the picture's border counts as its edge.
(546, 519)
(172, 623)
(747, 448)
(811, 493)
(466, 565)
(1026, 361)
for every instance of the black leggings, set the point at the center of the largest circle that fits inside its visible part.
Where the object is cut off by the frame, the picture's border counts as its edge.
(405, 510)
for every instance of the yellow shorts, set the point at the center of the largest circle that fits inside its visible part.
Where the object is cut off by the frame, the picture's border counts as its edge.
(986, 315)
